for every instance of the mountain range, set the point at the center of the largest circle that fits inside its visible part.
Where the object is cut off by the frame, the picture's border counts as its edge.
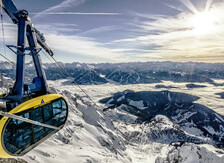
(159, 121)
(128, 73)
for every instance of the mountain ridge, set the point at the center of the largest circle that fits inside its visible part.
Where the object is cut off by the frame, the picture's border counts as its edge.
(129, 73)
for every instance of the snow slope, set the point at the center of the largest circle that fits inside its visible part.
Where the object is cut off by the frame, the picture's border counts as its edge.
(91, 135)
(88, 136)
(189, 153)
(94, 135)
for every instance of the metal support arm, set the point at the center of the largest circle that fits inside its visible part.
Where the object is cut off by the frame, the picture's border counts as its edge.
(26, 30)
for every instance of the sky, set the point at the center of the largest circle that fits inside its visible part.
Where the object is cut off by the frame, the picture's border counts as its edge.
(97, 31)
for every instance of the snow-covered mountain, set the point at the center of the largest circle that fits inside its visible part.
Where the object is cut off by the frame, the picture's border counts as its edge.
(189, 153)
(6, 65)
(135, 123)
(122, 133)
(129, 73)
(94, 134)
(5, 84)
(189, 121)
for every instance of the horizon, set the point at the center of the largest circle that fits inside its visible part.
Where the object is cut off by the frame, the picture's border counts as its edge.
(124, 62)
(128, 31)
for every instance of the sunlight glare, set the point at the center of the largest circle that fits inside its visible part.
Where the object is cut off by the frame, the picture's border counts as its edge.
(204, 22)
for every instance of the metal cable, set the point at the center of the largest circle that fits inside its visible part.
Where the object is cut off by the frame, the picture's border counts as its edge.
(62, 73)
(81, 89)
(13, 116)
(28, 75)
(3, 34)
(73, 80)
(4, 45)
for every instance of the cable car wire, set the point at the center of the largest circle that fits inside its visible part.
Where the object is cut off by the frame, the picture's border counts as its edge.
(62, 73)
(13, 116)
(3, 33)
(13, 63)
(73, 80)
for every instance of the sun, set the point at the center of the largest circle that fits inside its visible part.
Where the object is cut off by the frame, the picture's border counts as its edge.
(204, 22)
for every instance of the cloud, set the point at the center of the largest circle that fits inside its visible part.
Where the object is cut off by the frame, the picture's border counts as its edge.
(76, 45)
(76, 13)
(173, 7)
(152, 37)
(175, 38)
(99, 30)
(59, 28)
(10, 32)
(79, 45)
(68, 44)
(61, 6)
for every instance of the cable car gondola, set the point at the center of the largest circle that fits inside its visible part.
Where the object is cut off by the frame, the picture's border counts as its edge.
(18, 137)
(29, 113)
